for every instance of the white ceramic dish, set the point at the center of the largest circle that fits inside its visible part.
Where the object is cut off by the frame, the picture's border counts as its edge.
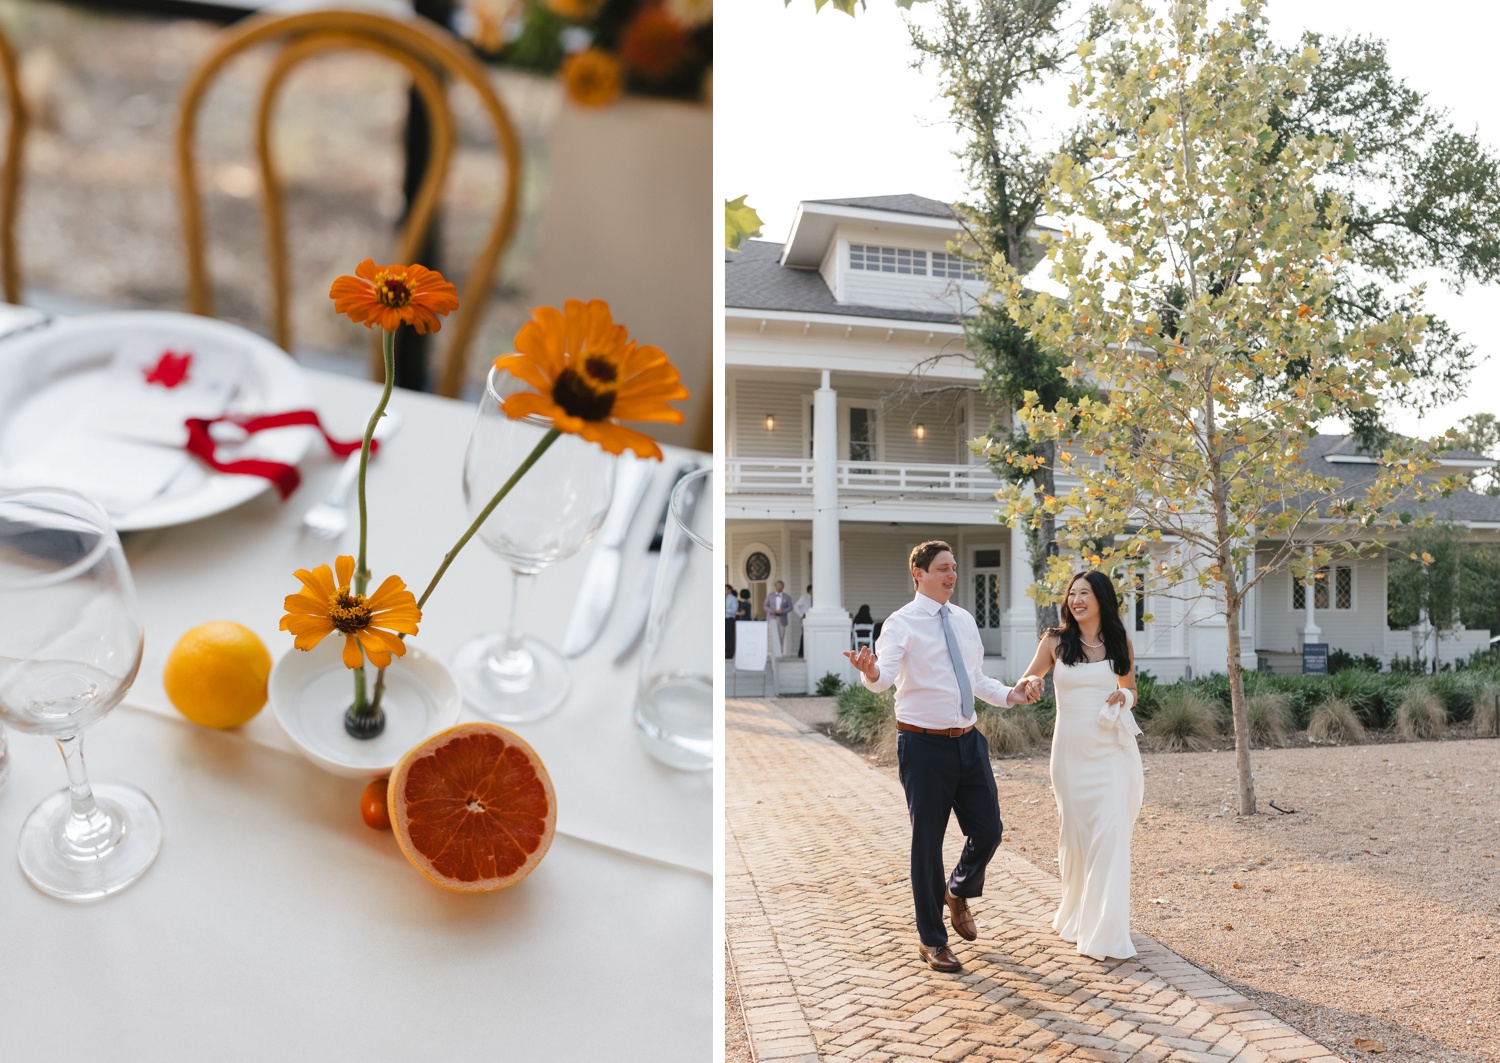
(310, 691)
(50, 371)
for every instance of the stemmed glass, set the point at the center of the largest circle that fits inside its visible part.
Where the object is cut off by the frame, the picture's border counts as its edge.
(549, 515)
(70, 645)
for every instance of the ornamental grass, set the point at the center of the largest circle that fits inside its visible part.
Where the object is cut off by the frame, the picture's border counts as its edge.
(1184, 719)
(1010, 731)
(1336, 722)
(1270, 718)
(1422, 715)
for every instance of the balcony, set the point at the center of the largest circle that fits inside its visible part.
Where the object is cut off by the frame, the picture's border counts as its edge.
(767, 476)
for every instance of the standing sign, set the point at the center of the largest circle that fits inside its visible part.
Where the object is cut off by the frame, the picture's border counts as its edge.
(1315, 658)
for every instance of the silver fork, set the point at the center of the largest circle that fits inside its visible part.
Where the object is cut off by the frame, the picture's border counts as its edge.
(329, 519)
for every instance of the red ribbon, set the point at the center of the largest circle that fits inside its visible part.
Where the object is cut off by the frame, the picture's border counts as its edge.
(285, 477)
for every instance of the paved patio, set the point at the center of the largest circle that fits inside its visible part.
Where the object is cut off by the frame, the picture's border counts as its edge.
(819, 925)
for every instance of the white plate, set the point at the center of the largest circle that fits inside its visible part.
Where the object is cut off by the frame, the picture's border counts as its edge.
(45, 372)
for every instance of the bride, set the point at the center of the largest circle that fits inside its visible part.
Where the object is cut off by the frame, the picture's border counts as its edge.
(1096, 766)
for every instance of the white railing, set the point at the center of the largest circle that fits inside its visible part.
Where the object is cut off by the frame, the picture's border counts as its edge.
(787, 477)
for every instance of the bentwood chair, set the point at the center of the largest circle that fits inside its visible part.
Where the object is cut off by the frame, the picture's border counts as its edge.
(10, 171)
(429, 54)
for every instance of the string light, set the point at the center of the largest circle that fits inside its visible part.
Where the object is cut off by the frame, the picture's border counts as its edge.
(770, 423)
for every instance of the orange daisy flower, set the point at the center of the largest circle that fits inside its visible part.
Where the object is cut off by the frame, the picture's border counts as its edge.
(592, 78)
(388, 295)
(369, 625)
(589, 375)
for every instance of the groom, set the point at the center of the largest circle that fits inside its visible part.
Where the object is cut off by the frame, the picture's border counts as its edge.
(932, 651)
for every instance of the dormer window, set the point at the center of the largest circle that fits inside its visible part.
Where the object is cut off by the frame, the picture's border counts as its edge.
(888, 259)
(944, 265)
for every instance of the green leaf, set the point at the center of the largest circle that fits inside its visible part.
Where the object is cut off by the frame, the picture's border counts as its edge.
(741, 223)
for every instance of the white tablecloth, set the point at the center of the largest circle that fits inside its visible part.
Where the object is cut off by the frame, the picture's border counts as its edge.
(275, 925)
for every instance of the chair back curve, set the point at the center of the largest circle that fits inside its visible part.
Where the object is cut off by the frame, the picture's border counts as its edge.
(429, 54)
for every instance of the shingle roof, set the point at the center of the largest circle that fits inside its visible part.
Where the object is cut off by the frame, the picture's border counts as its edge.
(902, 204)
(1464, 506)
(754, 279)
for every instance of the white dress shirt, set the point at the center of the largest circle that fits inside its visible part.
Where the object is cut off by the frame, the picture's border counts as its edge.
(731, 606)
(804, 603)
(912, 653)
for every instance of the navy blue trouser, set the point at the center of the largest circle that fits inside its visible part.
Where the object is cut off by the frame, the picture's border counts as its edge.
(942, 775)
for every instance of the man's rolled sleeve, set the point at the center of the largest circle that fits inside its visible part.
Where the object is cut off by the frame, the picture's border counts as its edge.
(890, 648)
(988, 690)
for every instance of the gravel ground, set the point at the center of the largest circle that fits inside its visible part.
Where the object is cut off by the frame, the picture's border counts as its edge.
(736, 1042)
(1372, 911)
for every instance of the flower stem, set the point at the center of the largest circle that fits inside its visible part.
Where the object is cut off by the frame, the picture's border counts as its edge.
(515, 478)
(364, 715)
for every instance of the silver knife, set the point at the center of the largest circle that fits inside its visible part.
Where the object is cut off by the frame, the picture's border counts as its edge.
(636, 627)
(596, 594)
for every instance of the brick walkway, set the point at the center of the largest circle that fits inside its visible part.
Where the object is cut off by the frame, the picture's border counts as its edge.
(819, 923)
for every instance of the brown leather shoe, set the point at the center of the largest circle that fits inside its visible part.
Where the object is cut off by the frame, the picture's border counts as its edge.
(940, 958)
(960, 916)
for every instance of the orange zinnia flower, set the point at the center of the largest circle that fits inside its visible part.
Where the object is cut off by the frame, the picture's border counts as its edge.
(388, 295)
(368, 624)
(592, 78)
(589, 375)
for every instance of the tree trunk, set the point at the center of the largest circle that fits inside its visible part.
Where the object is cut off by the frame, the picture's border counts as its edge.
(1046, 536)
(1237, 706)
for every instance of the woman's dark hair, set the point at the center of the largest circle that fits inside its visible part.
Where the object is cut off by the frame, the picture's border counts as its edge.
(1070, 639)
(863, 616)
(728, 589)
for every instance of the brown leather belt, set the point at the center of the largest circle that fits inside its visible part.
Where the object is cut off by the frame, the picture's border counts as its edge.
(951, 732)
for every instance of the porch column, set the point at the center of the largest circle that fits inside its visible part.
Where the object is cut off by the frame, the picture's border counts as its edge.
(1311, 632)
(826, 627)
(1019, 625)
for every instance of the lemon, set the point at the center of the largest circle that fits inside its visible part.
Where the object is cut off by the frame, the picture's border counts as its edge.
(216, 674)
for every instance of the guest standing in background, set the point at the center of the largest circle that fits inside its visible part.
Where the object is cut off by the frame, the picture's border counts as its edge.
(731, 614)
(778, 608)
(804, 603)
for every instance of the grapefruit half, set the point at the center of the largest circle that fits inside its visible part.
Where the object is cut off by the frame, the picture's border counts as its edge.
(472, 808)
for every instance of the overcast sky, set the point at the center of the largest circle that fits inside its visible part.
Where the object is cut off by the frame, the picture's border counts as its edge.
(818, 106)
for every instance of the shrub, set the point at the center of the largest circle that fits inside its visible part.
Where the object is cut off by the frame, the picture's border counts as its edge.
(1335, 721)
(1409, 665)
(861, 712)
(1456, 691)
(1343, 660)
(1147, 691)
(1184, 719)
(1269, 718)
(1009, 730)
(1214, 687)
(1421, 714)
(1366, 694)
(829, 685)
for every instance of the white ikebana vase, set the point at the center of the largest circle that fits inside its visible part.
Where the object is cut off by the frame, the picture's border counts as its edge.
(310, 690)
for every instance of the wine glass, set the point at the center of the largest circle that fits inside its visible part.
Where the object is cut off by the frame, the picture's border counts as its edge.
(70, 645)
(549, 515)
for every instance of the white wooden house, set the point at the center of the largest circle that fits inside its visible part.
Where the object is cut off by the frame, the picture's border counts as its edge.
(850, 405)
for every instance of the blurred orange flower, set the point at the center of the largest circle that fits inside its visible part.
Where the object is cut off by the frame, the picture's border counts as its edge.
(367, 624)
(576, 10)
(589, 375)
(655, 44)
(592, 78)
(388, 295)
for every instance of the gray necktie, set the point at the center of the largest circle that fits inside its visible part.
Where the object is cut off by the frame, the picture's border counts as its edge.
(961, 673)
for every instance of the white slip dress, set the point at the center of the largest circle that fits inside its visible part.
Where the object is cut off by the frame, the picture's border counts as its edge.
(1098, 782)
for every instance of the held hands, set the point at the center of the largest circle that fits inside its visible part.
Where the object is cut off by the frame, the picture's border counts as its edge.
(1027, 689)
(864, 660)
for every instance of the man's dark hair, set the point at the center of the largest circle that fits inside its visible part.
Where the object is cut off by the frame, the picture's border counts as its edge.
(809, 588)
(922, 555)
(745, 593)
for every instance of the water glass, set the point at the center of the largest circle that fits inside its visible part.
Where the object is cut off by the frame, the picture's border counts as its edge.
(70, 646)
(674, 714)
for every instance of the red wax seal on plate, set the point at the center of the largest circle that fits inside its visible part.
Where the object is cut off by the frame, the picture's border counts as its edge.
(170, 369)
